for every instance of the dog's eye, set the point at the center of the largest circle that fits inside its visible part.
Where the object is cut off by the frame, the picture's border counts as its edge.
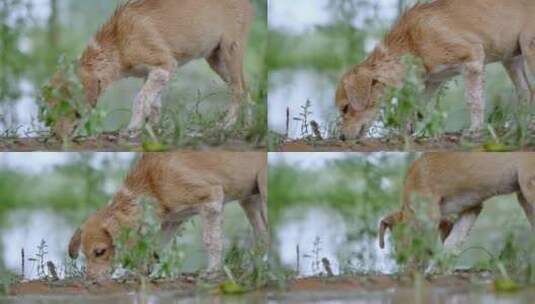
(345, 109)
(99, 252)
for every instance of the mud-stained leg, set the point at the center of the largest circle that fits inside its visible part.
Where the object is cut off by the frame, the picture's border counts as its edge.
(155, 111)
(474, 77)
(146, 98)
(211, 214)
(516, 70)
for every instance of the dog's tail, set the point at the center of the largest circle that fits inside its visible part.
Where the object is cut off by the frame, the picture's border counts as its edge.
(389, 222)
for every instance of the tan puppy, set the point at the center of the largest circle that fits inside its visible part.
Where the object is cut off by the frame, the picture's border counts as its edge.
(457, 184)
(183, 184)
(151, 39)
(451, 37)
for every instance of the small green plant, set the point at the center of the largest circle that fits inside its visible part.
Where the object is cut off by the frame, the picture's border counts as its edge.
(509, 124)
(141, 251)
(7, 280)
(249, 269)
(304, 118)
(72, 271)
(39, 259)
(405, 112)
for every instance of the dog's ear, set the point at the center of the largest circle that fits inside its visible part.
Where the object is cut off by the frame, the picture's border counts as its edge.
(75, 243)
(390, 74)
(358, 89)
(112, 227)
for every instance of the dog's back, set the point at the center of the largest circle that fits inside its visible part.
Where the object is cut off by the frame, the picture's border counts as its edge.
(169, 176)
(440, 28)
(190, 28)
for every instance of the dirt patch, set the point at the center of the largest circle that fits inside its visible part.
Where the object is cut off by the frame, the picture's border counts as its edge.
(114, 143)
(447, 142)
(188, 284)
(184, 284)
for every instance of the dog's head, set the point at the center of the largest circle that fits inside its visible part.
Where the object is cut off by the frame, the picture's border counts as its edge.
(96, 240)
(356, 97)
(97, 237)
(97, 70)
(360, 90)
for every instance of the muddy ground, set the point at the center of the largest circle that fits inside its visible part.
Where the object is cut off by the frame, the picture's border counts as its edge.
(447, 142)
(114, 143)
(460, 287)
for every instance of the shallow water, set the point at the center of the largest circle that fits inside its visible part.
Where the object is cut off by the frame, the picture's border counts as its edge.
(291, 89)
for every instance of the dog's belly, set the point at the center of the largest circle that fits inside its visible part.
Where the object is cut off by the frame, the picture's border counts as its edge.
(181, 214)
(444, 72)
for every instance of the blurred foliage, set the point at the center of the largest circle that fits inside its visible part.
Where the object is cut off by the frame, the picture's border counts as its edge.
(351, 32)
(363, 188)
(75, 188)
(355, 186)
(37, 47)
(406, 112)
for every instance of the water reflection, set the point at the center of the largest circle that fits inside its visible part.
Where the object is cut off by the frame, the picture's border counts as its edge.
(291, 89)
(26, 230)
(318, 233)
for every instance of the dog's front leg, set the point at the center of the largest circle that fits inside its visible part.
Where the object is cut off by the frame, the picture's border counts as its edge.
(211, 214)
(147, 98)
(474, 76)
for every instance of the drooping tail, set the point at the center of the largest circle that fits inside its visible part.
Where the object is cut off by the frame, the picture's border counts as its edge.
(388, 223)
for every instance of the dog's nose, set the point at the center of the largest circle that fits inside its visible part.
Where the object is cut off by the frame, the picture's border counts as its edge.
(343, 137)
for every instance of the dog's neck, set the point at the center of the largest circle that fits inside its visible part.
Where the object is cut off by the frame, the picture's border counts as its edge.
(387, 66)
(125, 205)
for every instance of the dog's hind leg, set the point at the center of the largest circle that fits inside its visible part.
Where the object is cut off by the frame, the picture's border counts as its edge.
(461, 229)
(526, 195)
(527, 45)
(233, 54)
(516, 70)
(255, 208)
(528, 207)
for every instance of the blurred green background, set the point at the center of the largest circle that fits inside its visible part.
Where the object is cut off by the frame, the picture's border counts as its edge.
(310, 48)
(36, 34)
(321, 205)
(329, 205)
(46, 196)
